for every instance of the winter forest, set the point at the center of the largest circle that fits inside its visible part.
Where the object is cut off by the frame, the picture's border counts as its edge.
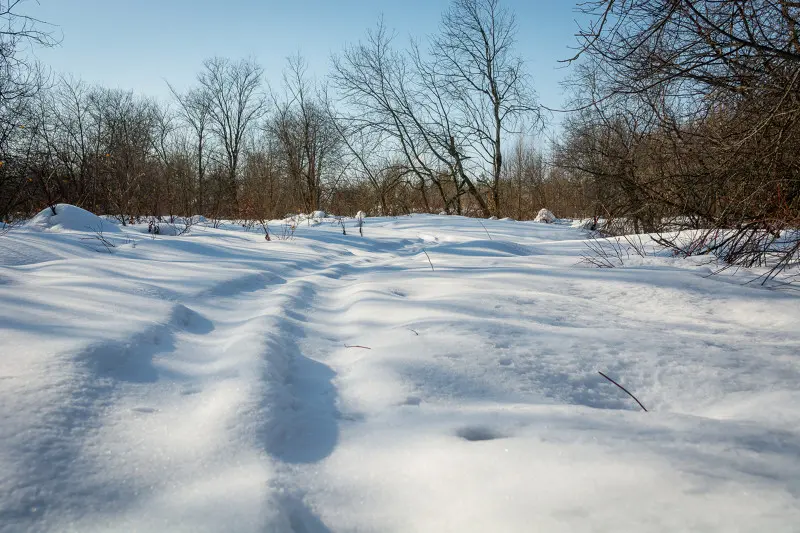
(681, 115)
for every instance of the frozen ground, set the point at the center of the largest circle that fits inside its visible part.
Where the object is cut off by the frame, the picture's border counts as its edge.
(218, 382)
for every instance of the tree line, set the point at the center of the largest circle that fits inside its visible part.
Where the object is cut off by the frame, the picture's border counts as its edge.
(683, 115)
(687, 117)
(391, 130)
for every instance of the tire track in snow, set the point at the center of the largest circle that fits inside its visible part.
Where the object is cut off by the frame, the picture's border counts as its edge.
(301, 417)
(46, 482)
(249, 334)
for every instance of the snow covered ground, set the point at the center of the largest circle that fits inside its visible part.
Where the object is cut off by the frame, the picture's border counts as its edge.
(218, 382)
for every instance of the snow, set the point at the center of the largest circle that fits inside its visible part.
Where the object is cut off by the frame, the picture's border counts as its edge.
(214, 381)
(70, 218)
(545, 216)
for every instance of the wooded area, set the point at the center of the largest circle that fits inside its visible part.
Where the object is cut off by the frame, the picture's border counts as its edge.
(683, 116)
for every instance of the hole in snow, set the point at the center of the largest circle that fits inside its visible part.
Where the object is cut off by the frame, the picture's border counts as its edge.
(478, 433)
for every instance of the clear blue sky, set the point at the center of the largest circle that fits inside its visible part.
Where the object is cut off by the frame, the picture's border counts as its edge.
(137, 44)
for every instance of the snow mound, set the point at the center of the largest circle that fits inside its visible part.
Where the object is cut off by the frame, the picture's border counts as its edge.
(484, 248)
(546, 216)
(319, 214)
(70, 218)
(361, 215)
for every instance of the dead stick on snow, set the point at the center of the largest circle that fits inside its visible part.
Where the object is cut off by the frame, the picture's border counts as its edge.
(429, 259)
(486, 230)
(623, 388)
(357, 346)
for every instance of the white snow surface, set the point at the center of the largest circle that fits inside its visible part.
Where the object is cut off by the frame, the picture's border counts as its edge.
(545, 215)
(218, 382)
(70, 218)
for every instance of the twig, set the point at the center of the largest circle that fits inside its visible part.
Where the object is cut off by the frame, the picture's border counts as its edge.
(623, 388)
(486, 230)
(98, 235)
(429, 259)
(413, 331)
(357, 346)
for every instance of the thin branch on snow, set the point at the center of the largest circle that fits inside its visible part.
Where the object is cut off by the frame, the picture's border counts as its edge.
(624, 389)
(429, 259)
(486, 230)
(98, 235)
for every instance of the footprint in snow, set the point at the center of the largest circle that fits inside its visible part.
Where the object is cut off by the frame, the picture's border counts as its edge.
(479, 433)
(412, 400)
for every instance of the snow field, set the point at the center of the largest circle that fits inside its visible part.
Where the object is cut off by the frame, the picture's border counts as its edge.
(213, 381)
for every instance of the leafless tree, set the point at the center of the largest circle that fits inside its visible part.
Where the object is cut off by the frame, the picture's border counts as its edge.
(692, 108)
(474, 53)
(128, 129)
(236, 104)
(305, 130)
(19, 75)
(391, 96)
(21, 78)
(195, 111)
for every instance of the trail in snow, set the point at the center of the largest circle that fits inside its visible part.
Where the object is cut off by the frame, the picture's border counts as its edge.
(205, 383)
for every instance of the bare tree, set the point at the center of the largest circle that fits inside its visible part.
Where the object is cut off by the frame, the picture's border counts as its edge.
(396, 95)
(692, 110)
(474, 53)
(371, 163)
(129, 126)
(195, 110)
(21, 79)
(306, 132)
(236, 104)
(19, 76)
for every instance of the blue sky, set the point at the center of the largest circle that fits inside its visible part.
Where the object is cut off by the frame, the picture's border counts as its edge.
(137, 44)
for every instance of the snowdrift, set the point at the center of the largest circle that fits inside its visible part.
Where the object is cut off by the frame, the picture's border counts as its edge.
(545, 216)
(70, 218)
(483, 248)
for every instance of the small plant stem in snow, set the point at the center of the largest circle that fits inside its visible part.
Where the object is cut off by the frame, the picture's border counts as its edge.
(429, 259)
(623, 388)
(486, 230)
